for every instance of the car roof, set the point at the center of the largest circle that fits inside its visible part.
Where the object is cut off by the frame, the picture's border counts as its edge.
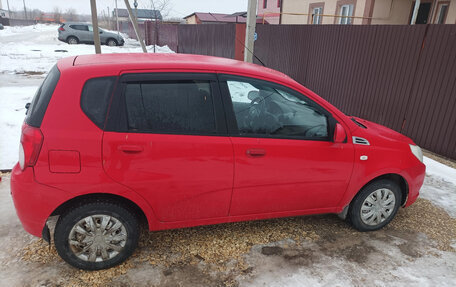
(77, 23)
(118, 62)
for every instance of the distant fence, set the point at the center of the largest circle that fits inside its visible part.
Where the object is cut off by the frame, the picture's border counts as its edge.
(17, 22)
(401, 76)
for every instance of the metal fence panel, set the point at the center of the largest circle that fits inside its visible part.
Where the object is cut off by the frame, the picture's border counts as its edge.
(210, 39)
(400, 76)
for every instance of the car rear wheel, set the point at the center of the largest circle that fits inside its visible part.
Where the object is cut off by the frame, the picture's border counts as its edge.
(375, 205)
(111, 42)
(96, 235)
(72, 40)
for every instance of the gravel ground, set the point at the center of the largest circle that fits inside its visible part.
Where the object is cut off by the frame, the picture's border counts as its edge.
(418, 247)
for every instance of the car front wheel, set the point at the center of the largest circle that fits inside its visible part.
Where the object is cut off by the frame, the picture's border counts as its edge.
(96, 235)
(375, 205)
(112, 42)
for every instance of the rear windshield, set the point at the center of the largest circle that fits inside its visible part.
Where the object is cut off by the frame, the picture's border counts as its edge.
(40, 102)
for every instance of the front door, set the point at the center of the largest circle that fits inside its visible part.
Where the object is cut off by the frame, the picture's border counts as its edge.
(166, 141)
(285, 159)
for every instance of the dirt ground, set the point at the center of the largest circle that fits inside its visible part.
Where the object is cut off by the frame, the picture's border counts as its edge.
(418, 247)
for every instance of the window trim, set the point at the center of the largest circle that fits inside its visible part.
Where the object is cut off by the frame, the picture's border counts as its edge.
(117, 115)
(440, 4)
(233, 129)
(313, 6)
(339, 5)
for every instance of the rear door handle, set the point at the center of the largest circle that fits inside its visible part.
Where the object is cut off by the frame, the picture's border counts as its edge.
(131, 148)
(256, 152)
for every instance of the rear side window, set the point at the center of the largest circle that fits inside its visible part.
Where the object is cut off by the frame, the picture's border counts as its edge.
(80, 27)
(184, 107)
(95, 98)
(40, 102)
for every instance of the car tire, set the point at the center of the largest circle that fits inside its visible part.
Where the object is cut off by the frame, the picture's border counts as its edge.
(72, 40)
(375, 205)
(96, 235)
(111, 42)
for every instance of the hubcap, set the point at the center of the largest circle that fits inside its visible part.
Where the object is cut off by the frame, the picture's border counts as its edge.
(378, 206)
(111, 43)
(97, 238)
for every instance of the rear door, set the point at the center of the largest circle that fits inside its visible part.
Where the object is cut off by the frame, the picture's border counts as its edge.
(166, 140)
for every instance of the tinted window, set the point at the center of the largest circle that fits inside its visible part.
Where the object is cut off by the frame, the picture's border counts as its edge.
(170, 107)
(42, 97)
(80, 27)
(95, 98)
(266, 109)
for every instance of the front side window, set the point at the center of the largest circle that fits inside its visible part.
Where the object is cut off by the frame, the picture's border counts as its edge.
(346, 11)
(270, 110)
(182, 106)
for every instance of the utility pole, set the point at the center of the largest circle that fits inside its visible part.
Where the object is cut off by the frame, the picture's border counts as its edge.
(117, 19)
(250, 31)
(96, 34)
(135, 25)
(25, 10)
(109, 19)
(9, 11)
(415, 12)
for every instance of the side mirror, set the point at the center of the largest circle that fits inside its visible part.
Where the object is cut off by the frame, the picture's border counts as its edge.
(101, 32)
(27, 106)
(339, 134)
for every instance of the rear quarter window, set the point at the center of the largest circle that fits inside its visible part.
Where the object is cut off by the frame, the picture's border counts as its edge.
(95, 98)
(40, 102)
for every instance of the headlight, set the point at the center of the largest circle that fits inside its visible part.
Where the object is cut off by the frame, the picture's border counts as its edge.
(416, 150)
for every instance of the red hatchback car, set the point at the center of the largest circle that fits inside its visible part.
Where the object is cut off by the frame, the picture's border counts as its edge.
(185, 140)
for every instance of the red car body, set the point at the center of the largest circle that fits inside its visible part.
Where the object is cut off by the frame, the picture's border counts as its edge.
(188, 180)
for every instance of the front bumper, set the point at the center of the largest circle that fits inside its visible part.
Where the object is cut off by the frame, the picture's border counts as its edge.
(415, 178)
(34, 202)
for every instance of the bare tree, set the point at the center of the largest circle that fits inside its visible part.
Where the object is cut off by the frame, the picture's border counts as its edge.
(57, 14)
(161, 9)
(70, 15)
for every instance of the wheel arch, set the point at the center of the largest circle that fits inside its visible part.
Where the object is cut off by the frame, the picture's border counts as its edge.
(72, 36)
(396, 178)
(112, 38)
(81, 199)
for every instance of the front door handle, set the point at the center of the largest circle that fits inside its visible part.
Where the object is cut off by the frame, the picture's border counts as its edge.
(131, 148)
(256, 152)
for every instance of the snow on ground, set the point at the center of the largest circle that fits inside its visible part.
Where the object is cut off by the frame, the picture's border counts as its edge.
(36, 48)
(12, 113)
(440, 185)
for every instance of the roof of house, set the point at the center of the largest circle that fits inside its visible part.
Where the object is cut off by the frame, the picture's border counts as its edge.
(142, 13)
(238, 17)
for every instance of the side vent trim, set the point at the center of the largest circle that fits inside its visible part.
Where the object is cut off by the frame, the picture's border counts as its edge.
(361, 141)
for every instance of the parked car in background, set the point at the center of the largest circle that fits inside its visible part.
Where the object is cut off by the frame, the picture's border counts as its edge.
(1, 26)
(177, 140)
(75, 33)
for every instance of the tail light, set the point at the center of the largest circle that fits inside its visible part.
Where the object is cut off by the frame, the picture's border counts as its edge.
(61, 28)
(29, 149)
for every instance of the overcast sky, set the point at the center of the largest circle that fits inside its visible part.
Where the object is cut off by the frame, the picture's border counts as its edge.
(179, 8)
